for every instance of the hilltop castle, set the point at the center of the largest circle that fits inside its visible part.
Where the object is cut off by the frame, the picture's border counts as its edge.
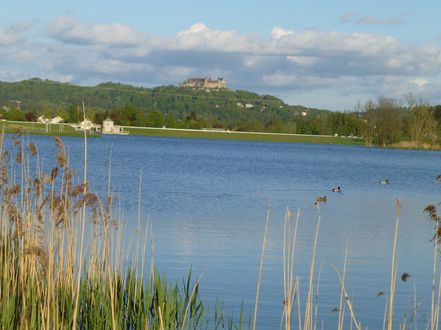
(205, 83)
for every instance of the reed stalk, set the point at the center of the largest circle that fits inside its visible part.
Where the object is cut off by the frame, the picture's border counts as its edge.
(307, 323)
(340, 308)
(289, 248)
(394, 265)
(51, 276)
(83, 228)
(349, 303)
(265, 234)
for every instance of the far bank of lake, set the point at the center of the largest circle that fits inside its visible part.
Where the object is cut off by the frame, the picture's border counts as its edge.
(66, 130)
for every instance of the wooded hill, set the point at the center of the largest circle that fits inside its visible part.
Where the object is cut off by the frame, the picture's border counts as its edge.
(381, 122)
(164, 105)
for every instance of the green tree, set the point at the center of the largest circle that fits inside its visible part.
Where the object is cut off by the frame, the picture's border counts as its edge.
(15, 115)
(289, 127)
(74, 114)
(422, 122)
(171, 121)
(388, 121)
(368, 127)
(155, 119)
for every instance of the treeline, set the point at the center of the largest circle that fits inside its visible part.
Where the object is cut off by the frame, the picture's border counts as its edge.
(382, 122)
(160, 106)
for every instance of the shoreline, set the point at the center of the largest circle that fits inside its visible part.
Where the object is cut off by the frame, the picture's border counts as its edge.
(240, 136)
(65, 129)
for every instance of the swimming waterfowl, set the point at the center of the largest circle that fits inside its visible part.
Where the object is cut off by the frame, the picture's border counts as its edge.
(321, 199)
(386, 181)
(405, 276)
(337, 189)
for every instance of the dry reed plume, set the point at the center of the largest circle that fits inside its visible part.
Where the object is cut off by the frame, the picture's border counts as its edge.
(61, 263)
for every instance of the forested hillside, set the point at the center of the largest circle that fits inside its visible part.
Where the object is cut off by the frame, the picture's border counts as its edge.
(166, 105)
(382, 122)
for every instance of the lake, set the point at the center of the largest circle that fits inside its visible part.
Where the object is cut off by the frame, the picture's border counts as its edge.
(208, 198)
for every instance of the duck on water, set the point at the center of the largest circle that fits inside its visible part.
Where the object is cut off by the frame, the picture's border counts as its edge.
(321, 199)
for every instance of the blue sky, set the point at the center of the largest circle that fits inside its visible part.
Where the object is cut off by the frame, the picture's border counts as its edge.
(327, 54)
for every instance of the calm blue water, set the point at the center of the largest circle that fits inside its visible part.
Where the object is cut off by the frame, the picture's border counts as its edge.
(208, 199)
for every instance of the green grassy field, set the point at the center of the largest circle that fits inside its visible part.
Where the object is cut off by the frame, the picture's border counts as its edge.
(245, 136)
(40, 129)
(66, 130)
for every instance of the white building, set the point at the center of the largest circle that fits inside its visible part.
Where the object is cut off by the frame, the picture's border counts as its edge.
(87, 125)
(56, 120)
(110, 128)
(43, 120)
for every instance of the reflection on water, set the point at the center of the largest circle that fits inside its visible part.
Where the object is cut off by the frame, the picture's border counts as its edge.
(207, 200)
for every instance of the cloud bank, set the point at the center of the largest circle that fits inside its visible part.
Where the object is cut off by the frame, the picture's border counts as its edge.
(287, 63)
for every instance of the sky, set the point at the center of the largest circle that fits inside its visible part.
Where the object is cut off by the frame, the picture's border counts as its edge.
(318, 53)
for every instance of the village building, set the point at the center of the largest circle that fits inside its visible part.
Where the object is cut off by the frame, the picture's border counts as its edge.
(56, 120)
(207, 83)
(43, 120)
(110, 128)
(87, 125)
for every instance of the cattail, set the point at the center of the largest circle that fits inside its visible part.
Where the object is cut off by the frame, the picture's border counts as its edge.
(58, 142)
(68, 174)
(19, 158)
(46, 179)
(32, 148)
(43, 203)
(79, 189)
(36, 184)
(61, 154)
(433, 212)
(40, 254)
(14, 190)
(54, 173)
(15, 218)
(438, 232)
(5, 155)
(15, 141)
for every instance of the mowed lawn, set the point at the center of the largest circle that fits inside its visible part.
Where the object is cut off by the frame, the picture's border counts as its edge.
(245, 136)
(66, 129)
(39, 128)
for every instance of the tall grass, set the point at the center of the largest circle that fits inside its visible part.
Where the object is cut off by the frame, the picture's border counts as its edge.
(61, 264)
(309, 313)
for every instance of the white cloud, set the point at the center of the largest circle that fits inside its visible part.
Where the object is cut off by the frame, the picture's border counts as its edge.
(419, 82)
(200, 37)
(303, 60)
(14, 33)
(70, 30)
(284, 61)
(195, 28)
(277, 32)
